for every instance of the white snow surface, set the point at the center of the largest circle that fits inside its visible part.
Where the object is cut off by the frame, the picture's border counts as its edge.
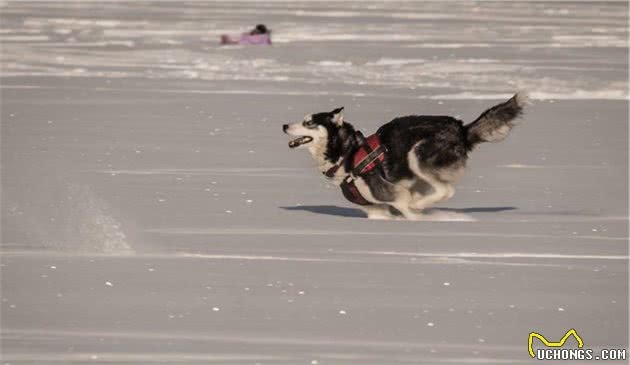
(153, 213)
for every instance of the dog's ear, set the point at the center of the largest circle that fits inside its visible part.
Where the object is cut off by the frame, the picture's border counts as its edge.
(337, 116)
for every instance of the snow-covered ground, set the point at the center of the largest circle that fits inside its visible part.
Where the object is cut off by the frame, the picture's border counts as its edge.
(152, 212)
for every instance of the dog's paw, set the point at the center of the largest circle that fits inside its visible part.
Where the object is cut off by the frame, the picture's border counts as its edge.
(442, 216)
(381, 217)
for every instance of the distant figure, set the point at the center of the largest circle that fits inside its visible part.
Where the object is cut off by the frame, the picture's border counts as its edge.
(260, 29)
(259, 35)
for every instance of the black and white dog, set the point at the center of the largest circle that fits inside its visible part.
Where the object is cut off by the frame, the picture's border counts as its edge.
(409, 164)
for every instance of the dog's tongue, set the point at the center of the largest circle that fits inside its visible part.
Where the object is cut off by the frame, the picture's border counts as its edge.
(299, 141)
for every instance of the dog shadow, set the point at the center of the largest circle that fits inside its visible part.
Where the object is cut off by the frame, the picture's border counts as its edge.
(358, 213)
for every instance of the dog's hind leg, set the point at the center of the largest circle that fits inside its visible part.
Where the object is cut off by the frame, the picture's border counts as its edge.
(403, 198)
(441, 192)
(439, 189)
(450, 191)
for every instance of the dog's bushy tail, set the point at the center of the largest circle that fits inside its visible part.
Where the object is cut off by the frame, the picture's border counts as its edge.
(494, 124)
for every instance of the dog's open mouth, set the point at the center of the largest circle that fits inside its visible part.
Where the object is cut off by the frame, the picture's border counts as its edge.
(300, 141)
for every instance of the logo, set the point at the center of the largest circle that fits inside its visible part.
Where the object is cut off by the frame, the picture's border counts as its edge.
(553, 344)
(555, 352)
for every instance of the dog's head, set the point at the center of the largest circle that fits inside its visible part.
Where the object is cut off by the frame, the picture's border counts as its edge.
(324, 134)
(314, 129)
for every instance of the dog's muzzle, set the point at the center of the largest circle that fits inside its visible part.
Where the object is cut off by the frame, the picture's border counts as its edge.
(300, 141)
(297, 141)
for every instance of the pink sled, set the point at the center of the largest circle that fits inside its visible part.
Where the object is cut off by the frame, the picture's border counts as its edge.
(247, 39)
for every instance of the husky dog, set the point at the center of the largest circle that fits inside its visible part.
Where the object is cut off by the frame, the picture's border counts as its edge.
(424, 155)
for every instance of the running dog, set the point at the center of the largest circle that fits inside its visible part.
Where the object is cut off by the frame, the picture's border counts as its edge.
(409, 164)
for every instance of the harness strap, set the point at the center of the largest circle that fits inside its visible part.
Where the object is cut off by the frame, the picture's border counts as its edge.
(370, 154)
(370, 158)
(351, 192)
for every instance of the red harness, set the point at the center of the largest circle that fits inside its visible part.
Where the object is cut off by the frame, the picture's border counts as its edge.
(370, 154)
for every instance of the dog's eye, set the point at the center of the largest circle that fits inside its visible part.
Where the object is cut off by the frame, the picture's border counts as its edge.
(309, 123)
